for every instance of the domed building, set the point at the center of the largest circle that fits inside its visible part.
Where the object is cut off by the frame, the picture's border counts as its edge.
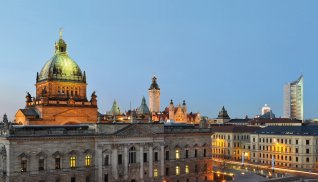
(61, 96)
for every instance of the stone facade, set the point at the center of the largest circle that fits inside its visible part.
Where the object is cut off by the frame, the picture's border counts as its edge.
(231, 142)
(293, 147)
(105, 152)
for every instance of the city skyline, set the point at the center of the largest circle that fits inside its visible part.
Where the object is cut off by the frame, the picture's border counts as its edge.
(209, 59)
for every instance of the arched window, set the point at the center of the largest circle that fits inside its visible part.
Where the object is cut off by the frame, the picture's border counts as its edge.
(73, 161)
(88, 160)
(132, 155)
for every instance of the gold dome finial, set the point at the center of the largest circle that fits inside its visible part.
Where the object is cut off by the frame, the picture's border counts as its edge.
(61, 32)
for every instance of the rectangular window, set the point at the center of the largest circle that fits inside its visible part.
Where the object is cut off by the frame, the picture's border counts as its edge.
(177, 154)
(167, 171)
(187, 154)
(88, 160)
(73, 162)
(167, 155)
(307, 142)
(145, 157)
(187, 170)
(204, 153)
(41, 164)
(72, 179)
(57, 163)
(307, 159)
(296, 159)
(156, 156)
(120, 159)
(23, 165)
(107, 160)
(177, 170)
(296, 142)
(106, 178)
(155, 173)
(196, 153)
(296, 150)
(307, 151)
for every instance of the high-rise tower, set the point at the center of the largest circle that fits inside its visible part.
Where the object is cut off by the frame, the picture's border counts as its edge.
(294, 99)
(154, 96)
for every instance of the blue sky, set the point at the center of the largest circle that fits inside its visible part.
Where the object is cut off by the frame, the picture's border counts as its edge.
(211, 53)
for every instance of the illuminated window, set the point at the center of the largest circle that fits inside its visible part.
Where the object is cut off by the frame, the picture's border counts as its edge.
(155, 173)
(73, 162)
(187, 171)
(177, 154)
(177, 170)
(88, 160)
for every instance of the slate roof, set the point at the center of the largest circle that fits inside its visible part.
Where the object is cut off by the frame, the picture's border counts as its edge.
(234, 129)
(289, 130)
(239, 121)
(30, 112)
(274, 120)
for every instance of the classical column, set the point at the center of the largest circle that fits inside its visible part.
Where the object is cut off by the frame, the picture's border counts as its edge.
(141, 150)
(114, 162)
(126, 162)
(99, 162)
(150, 161)
(162, 160)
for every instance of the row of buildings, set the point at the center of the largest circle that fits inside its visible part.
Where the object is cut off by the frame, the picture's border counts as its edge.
(292, 147)
(60, 136)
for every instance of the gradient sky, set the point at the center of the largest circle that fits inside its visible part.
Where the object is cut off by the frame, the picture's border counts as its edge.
(211, 53)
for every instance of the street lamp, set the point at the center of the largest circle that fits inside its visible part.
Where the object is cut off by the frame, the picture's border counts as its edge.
(273, 164)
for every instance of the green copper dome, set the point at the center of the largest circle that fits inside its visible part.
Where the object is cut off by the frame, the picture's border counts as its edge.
(61, 67)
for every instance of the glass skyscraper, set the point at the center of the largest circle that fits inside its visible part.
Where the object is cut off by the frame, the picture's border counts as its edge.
(294, 99)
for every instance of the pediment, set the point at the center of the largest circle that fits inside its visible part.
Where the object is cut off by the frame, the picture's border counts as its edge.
(135, 130)
(57, 154)
(41, 154)
(24, 155)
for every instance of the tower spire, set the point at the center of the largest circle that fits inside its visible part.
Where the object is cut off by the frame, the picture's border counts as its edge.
(61, 32)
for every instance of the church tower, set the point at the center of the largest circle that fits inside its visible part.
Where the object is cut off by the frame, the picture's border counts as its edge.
(154, 96)
(171, 110)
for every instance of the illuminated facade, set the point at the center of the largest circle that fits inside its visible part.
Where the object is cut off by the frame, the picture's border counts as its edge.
(294, 99)
(61, 96)
(293, 147)
(180, 114)
(230, 142)
(105, 153)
